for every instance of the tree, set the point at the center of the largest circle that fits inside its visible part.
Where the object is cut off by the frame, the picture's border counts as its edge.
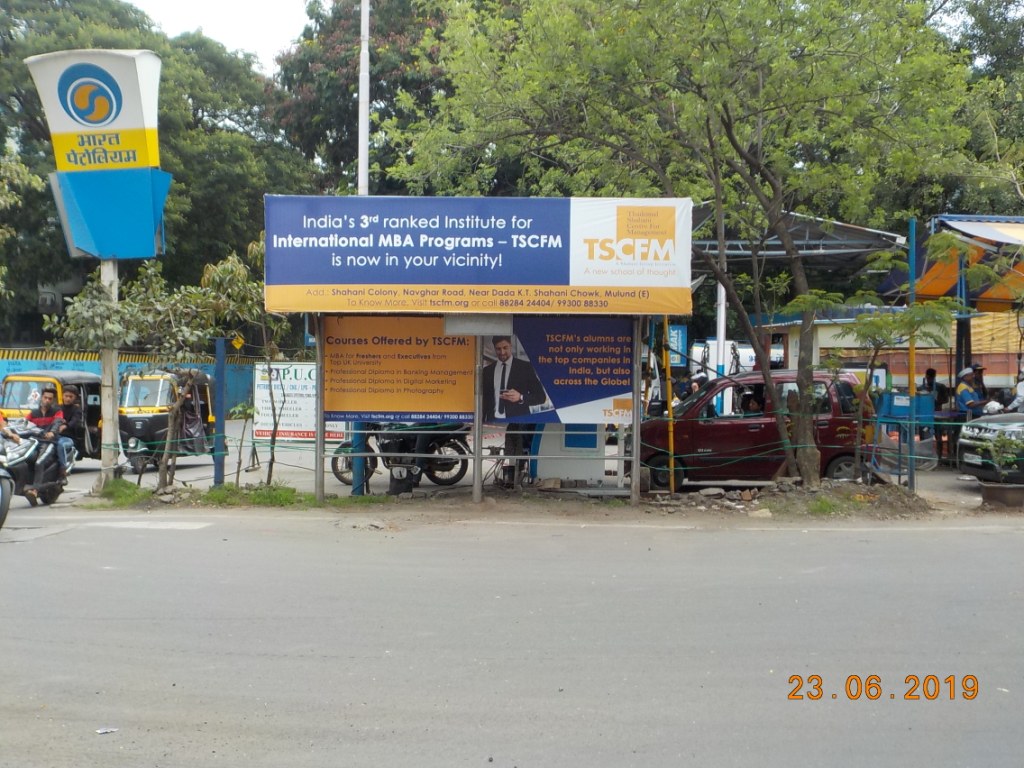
(319, 109)
(237, 301)
(927, 322)
(825, 103)
(216, 138)
(14, 177)
(171, 323)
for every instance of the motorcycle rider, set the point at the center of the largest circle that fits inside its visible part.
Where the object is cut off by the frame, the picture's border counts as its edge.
(50, 419)
(47, 417)
(6, 432)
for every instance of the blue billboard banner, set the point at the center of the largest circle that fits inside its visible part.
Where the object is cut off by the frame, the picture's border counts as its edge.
(569, 370)
(593, 256)
(677, 345)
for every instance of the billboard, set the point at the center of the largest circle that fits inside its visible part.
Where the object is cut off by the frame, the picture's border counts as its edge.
(293, 389)
(396, 369)
(386, 255)
(569, 370)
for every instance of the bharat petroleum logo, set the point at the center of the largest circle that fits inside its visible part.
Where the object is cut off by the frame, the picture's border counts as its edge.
(642, 233)
(90, 95)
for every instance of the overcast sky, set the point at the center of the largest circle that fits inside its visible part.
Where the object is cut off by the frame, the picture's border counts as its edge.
(264, 28)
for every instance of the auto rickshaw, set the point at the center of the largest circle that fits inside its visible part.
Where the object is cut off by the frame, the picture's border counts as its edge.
(19, 395)
(144, 415)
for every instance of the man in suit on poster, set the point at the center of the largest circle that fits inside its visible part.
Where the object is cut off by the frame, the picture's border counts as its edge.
(510, 385)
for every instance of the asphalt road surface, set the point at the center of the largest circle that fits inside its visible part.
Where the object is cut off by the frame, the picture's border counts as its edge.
(305, 638)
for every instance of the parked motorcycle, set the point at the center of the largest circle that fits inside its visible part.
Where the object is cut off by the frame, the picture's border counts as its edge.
(395, 445)
(32, 464)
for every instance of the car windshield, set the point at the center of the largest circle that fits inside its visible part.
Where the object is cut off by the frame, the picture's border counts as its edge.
(23, 394)
(146, 393)
(687, 401)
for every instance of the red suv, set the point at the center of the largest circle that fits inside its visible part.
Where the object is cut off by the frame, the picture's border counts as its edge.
(726, 430)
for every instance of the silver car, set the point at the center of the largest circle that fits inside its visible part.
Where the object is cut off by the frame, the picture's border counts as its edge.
(973, 451)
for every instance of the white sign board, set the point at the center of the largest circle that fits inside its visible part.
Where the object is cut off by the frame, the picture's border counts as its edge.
(294, 395)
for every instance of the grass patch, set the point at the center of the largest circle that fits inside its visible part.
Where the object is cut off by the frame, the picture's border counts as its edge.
(275, 495)
(823, 506)
(122, 493)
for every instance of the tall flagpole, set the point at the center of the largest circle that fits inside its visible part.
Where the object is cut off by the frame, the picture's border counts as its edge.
(363, 189)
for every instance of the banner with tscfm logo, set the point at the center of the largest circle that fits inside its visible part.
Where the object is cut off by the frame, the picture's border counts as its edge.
(101, 107)
(446, 255)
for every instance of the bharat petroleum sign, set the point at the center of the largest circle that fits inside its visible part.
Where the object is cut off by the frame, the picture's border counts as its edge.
(101, 107)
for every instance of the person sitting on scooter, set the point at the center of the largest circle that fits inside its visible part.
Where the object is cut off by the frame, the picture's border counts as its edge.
(69, 423)
(49, 418)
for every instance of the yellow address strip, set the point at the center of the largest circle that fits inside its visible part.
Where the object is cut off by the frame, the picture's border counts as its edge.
(519, 299)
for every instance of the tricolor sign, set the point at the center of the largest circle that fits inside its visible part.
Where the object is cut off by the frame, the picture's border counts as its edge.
(594, 256)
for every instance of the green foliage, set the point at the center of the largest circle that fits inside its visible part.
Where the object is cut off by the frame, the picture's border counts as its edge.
(824, 506)
(320, 78)
(277, 495)
(242, 411)
(929, 322)
(660, 97)
(1006, 453)
(216, 138)
(120, 493)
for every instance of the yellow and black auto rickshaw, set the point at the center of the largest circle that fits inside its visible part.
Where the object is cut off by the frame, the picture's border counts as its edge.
(19, 396)
(144, 415)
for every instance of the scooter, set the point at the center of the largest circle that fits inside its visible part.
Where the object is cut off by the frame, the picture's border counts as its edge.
(6, 490)
(22, 462)
(395, 444)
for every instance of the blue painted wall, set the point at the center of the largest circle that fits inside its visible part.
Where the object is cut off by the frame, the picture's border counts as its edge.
(239, 370)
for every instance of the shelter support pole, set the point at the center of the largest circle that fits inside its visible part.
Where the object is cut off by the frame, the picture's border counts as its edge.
(110, 433)
(912, 361)
(220, 395)
(665, 360)
(638, 401)
(318, 431)
(478, 426)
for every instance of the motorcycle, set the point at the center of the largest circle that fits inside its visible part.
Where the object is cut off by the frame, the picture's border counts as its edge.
(395, 446)
(32, 464)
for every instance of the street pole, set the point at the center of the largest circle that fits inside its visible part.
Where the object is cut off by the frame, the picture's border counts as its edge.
(110, 434)
(359, 463)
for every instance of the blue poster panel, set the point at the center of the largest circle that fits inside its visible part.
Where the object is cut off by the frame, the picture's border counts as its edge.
(568, 370)
(381, 255)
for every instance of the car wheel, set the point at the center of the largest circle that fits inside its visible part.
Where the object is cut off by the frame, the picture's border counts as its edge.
(841, 468)
(660, 473)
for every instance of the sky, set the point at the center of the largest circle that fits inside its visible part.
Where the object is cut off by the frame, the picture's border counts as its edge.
(264, 28)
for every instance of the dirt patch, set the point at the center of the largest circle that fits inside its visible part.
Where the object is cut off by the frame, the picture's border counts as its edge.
(830, 502)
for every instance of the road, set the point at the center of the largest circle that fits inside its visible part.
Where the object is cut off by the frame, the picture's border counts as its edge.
(304, 638)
